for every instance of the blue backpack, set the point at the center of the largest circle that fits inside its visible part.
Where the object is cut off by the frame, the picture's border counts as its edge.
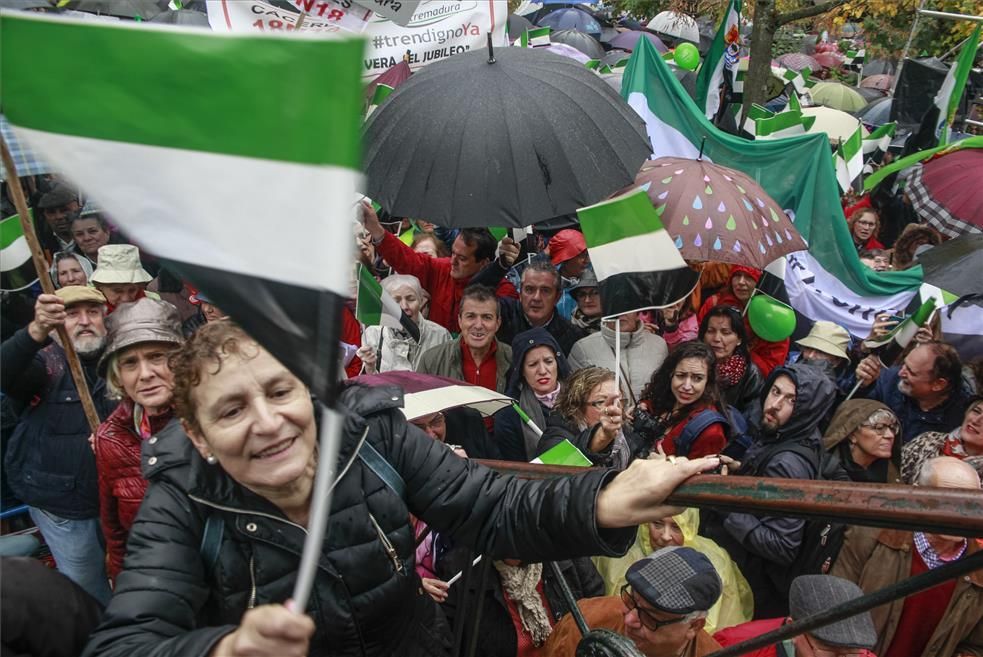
(735, 426)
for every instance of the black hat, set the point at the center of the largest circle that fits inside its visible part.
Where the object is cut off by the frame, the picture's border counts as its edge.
(811, 594)
(58, 196)
(676, 580)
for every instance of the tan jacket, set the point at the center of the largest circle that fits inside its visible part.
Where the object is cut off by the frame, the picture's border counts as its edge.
(876, 558)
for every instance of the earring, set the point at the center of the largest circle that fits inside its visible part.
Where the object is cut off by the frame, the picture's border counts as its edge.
(211, 460)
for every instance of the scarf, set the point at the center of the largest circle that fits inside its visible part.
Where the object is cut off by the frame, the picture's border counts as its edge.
(519, 583)
(731, 370)
(549, 399)
(952, 444)
(533, 406)
(583, 322)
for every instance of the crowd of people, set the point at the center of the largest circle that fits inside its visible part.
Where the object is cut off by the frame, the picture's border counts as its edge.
(179, 523)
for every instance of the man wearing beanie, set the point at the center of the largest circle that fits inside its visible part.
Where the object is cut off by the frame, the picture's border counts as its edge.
(809, 595)
(662, 608)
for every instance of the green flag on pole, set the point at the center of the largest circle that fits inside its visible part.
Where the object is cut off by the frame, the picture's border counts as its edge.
(947, 99)
(721, 56)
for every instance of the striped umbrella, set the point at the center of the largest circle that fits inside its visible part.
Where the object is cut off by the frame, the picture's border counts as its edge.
(425, 394)
(798, 61)
(27, 163)
(944, 191)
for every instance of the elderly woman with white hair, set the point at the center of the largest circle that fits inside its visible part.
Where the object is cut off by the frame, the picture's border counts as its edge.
(399, 350)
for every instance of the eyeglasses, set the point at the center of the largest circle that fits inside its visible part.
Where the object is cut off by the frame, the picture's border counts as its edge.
(598, 404)
(833, 652)
(881, 428)
(645, 617)
(436, 422)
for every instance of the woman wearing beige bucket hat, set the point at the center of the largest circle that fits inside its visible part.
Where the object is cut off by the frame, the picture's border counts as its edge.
(120, 276)
(827, 347)
(141, 337)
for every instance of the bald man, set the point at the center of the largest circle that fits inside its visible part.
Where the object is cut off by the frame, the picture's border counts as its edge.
(944, 621)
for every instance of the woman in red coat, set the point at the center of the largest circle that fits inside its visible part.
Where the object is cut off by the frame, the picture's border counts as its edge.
(683, 388)
(140, 339)
(865, 226)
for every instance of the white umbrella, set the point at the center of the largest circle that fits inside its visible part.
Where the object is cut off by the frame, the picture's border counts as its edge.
(676, 25)
(838, 126)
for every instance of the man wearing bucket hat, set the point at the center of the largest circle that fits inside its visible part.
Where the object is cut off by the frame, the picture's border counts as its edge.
(119, 275)
(662, 608)
(141, 337)
(809, 595)
(827, 347)
(48, 463)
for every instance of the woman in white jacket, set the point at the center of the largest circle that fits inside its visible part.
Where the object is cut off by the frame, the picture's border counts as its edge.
(399, 350)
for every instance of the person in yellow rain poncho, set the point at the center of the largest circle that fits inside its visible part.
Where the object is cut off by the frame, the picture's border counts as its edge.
(736, 604)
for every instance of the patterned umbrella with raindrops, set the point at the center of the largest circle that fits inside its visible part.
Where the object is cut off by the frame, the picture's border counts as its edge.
(716, 213)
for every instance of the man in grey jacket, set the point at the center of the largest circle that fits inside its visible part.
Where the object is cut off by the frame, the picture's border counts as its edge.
(786, 445)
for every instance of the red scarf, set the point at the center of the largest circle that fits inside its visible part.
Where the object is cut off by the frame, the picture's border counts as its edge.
(731, 370)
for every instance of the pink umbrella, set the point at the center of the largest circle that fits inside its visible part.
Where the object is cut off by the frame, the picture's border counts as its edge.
(798, 61)
(882, 82)
(828, 59)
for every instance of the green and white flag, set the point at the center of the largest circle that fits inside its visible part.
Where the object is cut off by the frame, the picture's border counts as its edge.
(533, 38)
(636, 263)
(764, 124)
(216, 151)
(376, 307)
(722, 56)
(15, 257)
(564, 453)
(880, 139)
(888, 347)
(947, 99)
(849, 159)
(796, 171)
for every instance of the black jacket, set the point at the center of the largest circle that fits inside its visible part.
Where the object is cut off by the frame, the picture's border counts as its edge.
(514, 322)
(765, 547)
(559, 429)
(364, 602)
(746, 394)
(48, 463)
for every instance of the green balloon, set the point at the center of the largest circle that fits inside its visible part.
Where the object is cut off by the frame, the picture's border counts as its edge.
(770, 319)
(686, 56)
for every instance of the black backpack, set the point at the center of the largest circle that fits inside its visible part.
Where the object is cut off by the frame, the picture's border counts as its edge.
(821, 539)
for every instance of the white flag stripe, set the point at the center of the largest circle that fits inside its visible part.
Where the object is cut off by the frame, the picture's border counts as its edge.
(666, 140)
(196, 188)
(15, 255)
(637, 254)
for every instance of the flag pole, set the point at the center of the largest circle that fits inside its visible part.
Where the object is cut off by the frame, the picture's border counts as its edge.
(41, 266)
(617, 355)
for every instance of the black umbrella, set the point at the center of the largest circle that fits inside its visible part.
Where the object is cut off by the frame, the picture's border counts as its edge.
(877, 113)
(525, 137)
(954, 265)
(186, 17)
(517, 25)
(145, 9)
(582, 41)
(870, 95)
(880, 67)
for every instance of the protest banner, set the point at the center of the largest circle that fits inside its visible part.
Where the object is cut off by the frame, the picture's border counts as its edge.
(319, 16)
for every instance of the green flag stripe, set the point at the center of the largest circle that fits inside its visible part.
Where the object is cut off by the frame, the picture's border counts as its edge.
(159, 106)
(627, 216)
(368, 308)
(10, 231)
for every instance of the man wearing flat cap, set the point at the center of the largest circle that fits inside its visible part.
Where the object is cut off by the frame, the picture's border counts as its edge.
(809, 595)
(49, 464)
(662, 608)
(59, 206)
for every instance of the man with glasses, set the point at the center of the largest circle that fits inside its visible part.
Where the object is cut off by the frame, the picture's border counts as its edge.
(662, 608)
(925, 392)
(809, 595)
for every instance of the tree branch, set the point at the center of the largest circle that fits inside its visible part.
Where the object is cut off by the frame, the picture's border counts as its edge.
(807, 12)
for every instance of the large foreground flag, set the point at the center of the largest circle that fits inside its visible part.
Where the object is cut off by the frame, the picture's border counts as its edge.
(796, 171)
(947, 99)
(376, 307)
(15, 257)
(198, 144)
(636, 263)
(722, 56)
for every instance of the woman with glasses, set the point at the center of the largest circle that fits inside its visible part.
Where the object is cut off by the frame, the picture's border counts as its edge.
(964, 442)
(861, 443)
(590, 413)
(865, 225)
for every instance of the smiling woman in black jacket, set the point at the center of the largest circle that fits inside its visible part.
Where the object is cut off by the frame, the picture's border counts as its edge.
(247, 473)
